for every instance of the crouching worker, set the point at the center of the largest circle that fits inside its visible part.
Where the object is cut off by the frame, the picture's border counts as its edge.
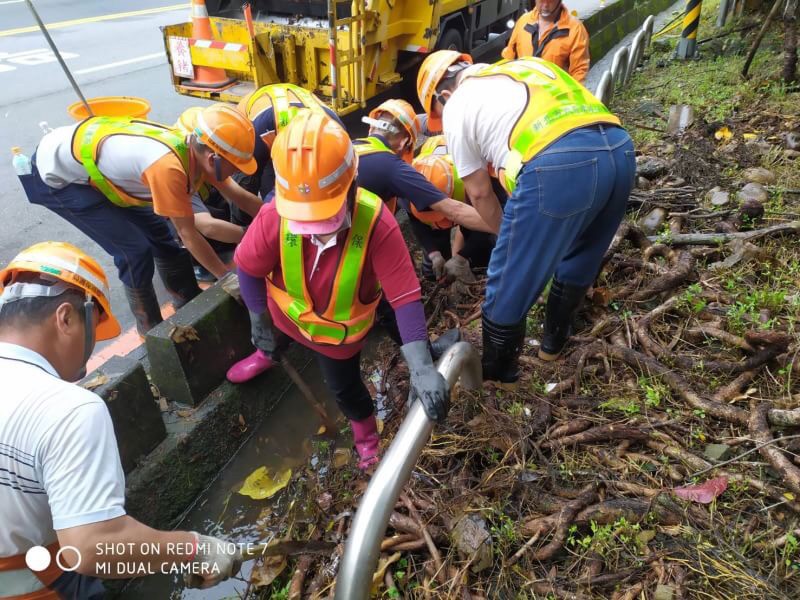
(320, 257)
(469, 249)
(62, 481)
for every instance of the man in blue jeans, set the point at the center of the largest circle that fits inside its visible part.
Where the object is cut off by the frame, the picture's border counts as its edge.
(569, 168)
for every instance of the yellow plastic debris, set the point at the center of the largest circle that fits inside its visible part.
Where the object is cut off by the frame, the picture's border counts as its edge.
(749, 136)
(723, 133)
(261, 484)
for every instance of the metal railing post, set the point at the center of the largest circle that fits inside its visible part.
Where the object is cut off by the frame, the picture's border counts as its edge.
(605, 88)
(362, 549)
(687, 47)
(619, 66)
(636, 54)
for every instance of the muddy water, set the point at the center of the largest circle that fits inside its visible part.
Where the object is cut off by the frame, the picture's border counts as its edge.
(283, 440)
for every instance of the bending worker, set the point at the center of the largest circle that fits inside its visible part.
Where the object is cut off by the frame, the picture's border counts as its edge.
(468, 249)
(568, 166)
(61, 480)
(320, 258)
(270, 108)
(118, 180)
(550, 32)
(385, 169)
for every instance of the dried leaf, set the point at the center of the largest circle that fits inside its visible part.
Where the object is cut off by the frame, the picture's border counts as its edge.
(322, 429)
(749, 136)
(261, 484)
(96, 381)
(723, 133)
(267, 570)
(704, 493)
(163, 405)
(377, 577)
(242, 422)
(341, 456)
(788, 496)
(183, 333)
(184, 413)
(379, 425)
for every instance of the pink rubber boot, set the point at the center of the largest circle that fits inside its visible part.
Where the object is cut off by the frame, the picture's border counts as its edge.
(367, 441)
(248, 368)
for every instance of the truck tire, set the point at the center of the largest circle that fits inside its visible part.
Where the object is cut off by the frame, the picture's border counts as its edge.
(451, 40)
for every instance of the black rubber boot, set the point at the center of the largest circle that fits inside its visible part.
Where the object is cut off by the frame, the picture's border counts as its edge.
(144, 306)
(563, 303)
(440, 345)
(177, 274)
(502, 345)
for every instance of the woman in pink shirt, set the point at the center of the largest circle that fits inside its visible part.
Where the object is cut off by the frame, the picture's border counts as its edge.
(320, 258)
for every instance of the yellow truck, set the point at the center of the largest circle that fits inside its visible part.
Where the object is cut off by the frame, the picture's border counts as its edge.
(344, 51)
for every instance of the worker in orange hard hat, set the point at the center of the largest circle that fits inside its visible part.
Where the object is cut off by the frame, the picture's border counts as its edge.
(550, 32)
(568, 166)
(385, 169)
(468, 249)
(271, 108)
(320, 258)
(120, 181)
(222, 222)
(63, 488)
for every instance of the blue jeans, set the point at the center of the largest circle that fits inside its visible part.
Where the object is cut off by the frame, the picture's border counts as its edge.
(133, 236)
(568, 203)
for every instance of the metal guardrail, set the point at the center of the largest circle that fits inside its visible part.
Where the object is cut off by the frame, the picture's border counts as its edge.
(362, 549)
(624, 63)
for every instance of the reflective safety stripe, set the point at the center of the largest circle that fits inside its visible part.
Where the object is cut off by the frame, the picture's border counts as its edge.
(202, 128)
(90, 135)
(370, 145)
(345, 319)
(340, 170)
(556, 105)
(282, 107)
(199, 10)
(47, 261)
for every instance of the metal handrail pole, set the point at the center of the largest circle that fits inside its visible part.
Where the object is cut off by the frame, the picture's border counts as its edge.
(648, 29)
(605, 88)
(363, 545)
(619, 65)
(636, 55)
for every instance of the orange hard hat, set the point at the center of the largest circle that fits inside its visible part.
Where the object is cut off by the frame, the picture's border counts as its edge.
(441, 172)
(66, 263)
(315, 165)
(402, 112)
(228, 133)
(188, 119)
(431, 72)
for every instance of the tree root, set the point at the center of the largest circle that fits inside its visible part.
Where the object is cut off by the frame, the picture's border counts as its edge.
(613, 431)
(564, 520)
(759, 429)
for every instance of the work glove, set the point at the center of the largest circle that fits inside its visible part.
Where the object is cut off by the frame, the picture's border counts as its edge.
(458, 269)
(230, 283)
(437, 264)
(427, 384)
(217, 559)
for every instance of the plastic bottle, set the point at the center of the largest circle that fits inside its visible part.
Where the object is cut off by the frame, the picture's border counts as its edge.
(20, 162)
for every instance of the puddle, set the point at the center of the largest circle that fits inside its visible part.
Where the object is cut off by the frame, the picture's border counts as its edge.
(283, 440)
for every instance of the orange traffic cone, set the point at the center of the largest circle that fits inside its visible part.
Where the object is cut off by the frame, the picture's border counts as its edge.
(205, 78)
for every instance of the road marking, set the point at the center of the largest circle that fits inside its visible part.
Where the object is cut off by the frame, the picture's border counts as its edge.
(29, 58)
(72, 22)
(119, 63)
(11, 2)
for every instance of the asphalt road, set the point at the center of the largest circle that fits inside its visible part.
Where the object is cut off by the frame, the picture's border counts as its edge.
(118, 56)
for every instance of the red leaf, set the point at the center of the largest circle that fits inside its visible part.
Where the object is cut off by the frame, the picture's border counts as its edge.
(704, 493)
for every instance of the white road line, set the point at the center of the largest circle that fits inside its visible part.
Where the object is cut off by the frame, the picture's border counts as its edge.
(11, 2)
(119, 63)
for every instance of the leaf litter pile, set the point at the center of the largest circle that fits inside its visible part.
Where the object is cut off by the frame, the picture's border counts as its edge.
(660, 457)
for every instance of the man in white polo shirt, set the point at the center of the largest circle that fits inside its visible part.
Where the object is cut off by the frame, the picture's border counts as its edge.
(61, 482)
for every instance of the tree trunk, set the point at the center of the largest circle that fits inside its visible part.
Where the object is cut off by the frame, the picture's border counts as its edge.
(790, 43)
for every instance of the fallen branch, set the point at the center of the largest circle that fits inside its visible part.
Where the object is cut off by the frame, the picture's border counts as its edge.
(759, 429)
(441, 574)
(713, 239)
(310, 398)
(613, 431)
(299, 577)
(682, 268)
(757, 42)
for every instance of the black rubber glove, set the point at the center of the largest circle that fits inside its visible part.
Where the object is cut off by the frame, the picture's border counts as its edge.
(427, 383)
